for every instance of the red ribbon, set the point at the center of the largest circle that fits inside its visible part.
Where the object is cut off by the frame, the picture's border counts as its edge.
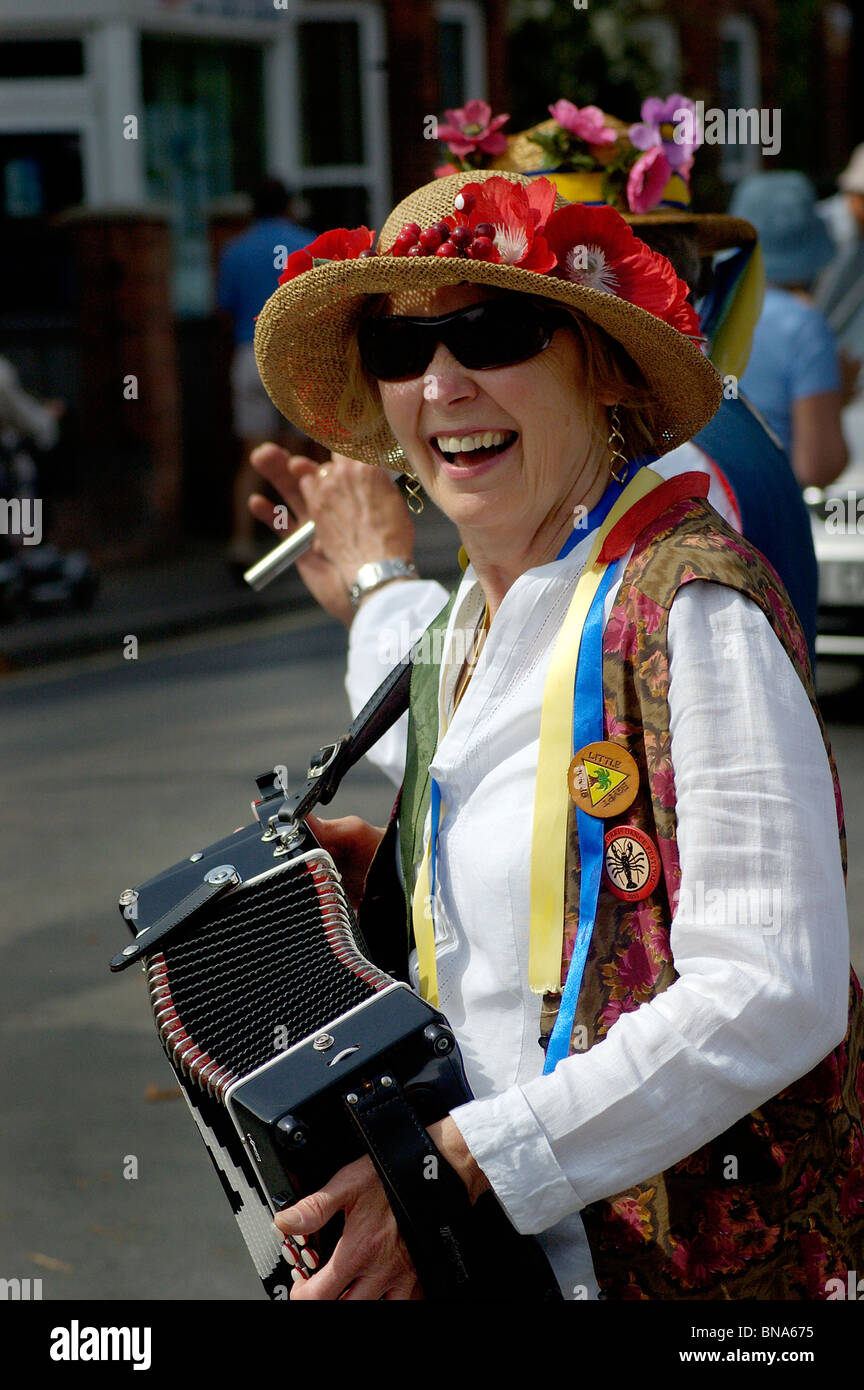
(643, 512)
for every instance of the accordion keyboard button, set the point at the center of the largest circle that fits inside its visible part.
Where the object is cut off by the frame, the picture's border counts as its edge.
(289, 1254)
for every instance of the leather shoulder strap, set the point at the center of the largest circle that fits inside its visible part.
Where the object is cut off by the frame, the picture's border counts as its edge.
(422, 742)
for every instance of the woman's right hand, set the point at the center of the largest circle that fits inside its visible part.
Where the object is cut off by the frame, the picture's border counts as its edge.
(352, 843)
(360, 518)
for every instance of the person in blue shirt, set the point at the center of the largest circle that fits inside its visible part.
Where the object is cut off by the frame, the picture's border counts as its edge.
(793, 375)
(249, 270)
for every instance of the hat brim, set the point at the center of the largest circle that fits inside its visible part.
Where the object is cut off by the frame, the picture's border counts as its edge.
(306, 349)
(714, 231)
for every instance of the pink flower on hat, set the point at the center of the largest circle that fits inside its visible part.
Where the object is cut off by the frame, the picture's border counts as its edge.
(472, 127)
(647, 179)
(587, 123)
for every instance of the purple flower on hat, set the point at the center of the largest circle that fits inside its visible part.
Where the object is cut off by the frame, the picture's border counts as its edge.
(657, 128)
(587, 123)
(472, 127)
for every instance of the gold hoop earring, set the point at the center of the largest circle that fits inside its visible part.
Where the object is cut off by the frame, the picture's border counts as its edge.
(414, 494)
(618, 462)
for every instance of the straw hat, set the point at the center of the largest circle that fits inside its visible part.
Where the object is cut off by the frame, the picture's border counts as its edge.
(306, 338)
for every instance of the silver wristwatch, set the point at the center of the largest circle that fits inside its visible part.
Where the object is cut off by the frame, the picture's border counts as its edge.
(372, 576)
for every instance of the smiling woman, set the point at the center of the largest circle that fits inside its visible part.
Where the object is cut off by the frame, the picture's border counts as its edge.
(603, 763)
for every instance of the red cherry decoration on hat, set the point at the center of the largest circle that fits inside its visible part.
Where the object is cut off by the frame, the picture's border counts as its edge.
(447, 249)
(431, 238)
(481, 248)
(485, 229)
(464, 202)
(413, 228)
(462, 237)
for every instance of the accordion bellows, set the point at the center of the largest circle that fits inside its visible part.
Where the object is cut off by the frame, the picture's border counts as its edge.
(222, 1012)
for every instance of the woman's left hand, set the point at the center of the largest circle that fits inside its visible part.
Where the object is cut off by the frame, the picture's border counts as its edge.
(370, 1261)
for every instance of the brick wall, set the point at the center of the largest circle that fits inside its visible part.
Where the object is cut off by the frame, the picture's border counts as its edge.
(126, 325)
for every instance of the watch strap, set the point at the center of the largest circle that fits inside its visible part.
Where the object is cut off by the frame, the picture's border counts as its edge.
(372, 576)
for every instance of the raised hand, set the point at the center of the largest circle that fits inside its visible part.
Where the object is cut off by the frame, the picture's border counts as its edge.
(359, 514)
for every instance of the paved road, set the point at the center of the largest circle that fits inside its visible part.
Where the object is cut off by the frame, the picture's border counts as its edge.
(110, 772)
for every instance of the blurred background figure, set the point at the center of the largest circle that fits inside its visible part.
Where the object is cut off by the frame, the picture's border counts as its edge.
(248, 270)
(794, 373)
(34, 575)
(840, 289)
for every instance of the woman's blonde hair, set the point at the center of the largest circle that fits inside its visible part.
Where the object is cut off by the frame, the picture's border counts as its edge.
(610, 374)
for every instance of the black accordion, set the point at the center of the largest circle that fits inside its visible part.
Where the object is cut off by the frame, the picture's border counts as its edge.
(296, 1054)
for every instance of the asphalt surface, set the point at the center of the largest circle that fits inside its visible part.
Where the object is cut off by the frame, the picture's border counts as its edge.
(111, 771)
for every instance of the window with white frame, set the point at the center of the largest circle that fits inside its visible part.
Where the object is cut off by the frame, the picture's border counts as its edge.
(327, 111)
(461, 52)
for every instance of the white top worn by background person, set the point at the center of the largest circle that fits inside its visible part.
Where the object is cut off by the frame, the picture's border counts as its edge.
(757, 1003)
(22, 412)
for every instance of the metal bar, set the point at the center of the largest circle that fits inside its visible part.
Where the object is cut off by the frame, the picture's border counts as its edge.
(264, 571)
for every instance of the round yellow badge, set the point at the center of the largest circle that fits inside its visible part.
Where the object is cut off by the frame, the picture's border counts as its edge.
(603, 779)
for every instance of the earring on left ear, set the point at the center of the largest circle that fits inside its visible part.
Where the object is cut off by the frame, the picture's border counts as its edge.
(618, 462)
(414, 492)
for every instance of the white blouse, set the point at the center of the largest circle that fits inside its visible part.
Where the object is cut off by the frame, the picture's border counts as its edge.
(760, 938)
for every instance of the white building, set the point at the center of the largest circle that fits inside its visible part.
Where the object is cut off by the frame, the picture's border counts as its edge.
(179, 102)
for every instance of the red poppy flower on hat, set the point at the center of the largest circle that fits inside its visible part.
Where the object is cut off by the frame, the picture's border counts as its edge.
(518, 215)
(341, 244)
(595, 247)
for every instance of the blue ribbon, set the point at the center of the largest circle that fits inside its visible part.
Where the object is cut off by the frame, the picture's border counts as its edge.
(587, 728)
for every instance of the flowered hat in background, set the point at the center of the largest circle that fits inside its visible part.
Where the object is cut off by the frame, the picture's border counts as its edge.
(507, 231)
(642, 169)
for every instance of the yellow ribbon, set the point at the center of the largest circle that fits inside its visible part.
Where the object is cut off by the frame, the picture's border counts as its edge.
(552, 796)
(733, 338)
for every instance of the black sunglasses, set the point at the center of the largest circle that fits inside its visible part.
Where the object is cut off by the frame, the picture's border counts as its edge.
(493, 333)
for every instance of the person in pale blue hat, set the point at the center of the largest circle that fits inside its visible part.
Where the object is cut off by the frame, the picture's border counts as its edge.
(793, 376)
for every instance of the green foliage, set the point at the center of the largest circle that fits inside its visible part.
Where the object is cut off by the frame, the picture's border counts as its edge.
(587, 56)
(796, 84)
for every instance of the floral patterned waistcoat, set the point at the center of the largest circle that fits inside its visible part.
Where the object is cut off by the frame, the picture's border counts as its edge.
(792, 1218)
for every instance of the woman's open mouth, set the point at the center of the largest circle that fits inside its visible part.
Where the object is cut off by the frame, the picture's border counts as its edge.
(470, 451)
